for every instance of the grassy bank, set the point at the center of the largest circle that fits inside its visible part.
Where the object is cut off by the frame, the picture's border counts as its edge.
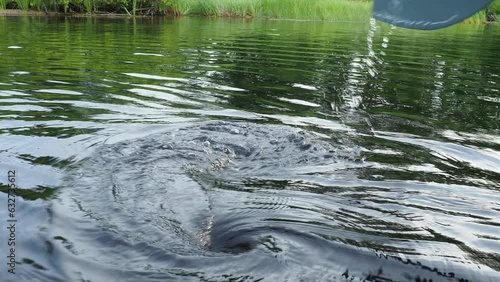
(293, 9)
(342, 10)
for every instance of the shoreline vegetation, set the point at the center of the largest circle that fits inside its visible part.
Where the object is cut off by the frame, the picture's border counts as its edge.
(333, 10)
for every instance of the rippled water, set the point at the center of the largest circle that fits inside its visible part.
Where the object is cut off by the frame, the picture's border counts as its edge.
(250, 150)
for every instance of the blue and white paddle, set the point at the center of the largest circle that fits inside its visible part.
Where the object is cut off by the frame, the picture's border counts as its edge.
(426, 14)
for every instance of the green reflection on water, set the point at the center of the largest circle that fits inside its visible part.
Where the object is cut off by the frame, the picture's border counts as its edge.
(445, 79)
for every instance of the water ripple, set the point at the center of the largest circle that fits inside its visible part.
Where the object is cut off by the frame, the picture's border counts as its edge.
(215, 150)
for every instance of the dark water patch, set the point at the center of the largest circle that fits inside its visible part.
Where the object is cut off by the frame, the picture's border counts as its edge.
(161, 192)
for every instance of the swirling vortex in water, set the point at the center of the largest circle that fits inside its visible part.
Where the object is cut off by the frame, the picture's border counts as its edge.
(249, 202)
(174, 176)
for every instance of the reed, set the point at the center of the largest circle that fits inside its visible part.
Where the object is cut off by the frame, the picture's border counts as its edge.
(495, 9)
(47, 5)
(207, 7)
(318, 9)
(335, 10)
(479, 17)
(23, 4)
(293, 9)
(182, 7)
(242, 8)
(65, 4)
(89, 6)
(38, 4)
(134, 7)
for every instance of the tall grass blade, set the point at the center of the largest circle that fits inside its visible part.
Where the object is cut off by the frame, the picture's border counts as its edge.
(126, 10)
(65, 5)
(89, 5)
(23, 4)
(38, 4)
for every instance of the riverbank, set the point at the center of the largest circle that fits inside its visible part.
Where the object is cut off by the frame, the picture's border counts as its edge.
(17, 12)
(340, 10)
(336, 10)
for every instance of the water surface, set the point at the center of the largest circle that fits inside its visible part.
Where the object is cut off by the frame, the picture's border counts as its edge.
(250, 150)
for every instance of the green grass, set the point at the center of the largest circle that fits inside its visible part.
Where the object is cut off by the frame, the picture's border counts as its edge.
(495, 7)
(291, 9)
(89, 6)
(23, 4)
(37, 4)
(334, 10)
(134, 6)
(342, 10)
(480, 17)
(65, 4)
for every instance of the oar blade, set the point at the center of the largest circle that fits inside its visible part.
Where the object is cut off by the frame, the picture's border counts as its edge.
(426, 14)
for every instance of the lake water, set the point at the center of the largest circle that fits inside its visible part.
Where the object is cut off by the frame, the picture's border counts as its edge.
(249, 150)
